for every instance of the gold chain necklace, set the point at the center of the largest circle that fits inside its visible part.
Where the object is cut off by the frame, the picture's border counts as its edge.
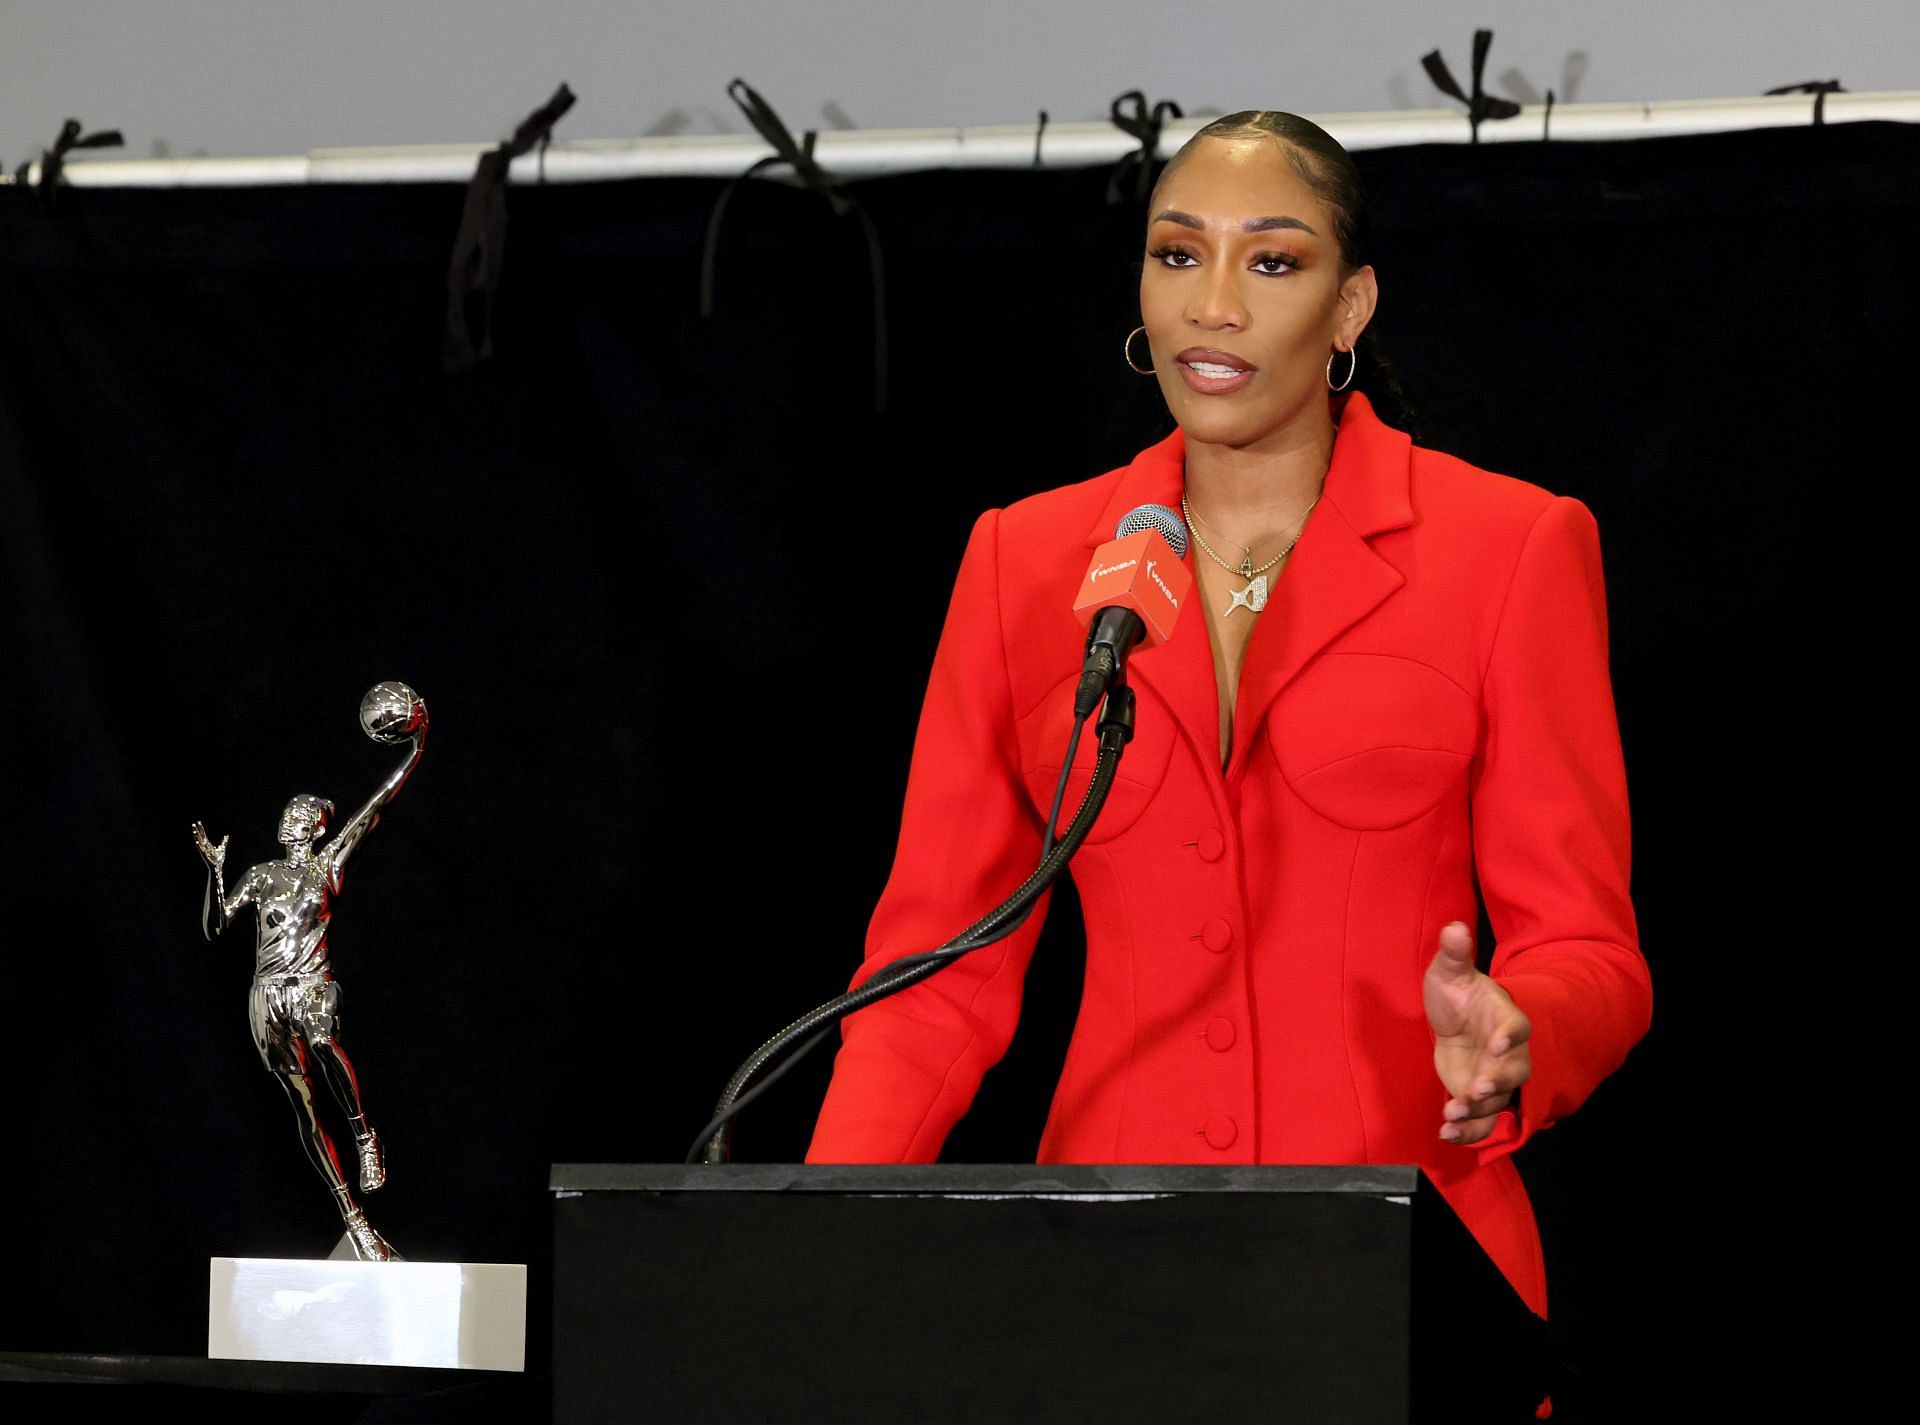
(1253, 598)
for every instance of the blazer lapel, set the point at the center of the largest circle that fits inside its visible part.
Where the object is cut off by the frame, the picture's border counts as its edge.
(1179, 671)
(1334, 578)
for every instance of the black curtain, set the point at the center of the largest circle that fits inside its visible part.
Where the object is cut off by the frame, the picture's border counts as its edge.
(671, 586)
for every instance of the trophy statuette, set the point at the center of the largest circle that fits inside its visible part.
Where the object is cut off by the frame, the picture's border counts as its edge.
(366, 1305)
(294, 1006)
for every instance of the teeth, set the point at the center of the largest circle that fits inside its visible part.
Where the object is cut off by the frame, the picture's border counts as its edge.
(1208, 368)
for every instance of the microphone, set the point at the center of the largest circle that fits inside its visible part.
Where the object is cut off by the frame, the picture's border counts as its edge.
(1133, 591)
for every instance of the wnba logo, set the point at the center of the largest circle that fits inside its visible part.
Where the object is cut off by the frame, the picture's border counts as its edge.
(1154, 575)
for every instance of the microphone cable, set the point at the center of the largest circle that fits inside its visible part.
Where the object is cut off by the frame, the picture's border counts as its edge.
(955, 948)
(1115, 731)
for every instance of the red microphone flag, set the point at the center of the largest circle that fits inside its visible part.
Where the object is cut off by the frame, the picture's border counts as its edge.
(1142, 573)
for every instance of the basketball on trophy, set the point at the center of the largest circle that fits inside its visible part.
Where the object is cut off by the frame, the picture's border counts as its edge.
(392, 712)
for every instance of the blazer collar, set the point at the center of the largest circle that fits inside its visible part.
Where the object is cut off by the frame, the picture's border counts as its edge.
(1333, 579)
(1367, 480)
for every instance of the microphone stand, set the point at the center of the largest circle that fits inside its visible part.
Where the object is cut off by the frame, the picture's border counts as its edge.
(1115, 730)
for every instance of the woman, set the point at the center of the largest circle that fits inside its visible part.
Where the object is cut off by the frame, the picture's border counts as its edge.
(1391, 683)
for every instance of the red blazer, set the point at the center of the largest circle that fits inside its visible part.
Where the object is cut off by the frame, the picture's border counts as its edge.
(1425, 700)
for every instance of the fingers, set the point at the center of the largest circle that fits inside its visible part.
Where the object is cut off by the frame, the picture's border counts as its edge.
(1470, 1117)
(1500, 1070)
(215, 856)
(1504, 1061)
(1477, 1120)
(1511, 1036)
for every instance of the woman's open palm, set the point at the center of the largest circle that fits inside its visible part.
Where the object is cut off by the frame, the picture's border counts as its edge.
(1479, 1038)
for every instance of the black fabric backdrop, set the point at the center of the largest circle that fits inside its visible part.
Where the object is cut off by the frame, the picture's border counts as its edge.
(671, 588)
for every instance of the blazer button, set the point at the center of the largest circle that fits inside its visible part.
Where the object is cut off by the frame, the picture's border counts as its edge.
(1211, 845)
(1220, 1035)
(1220, 1132)
(1217, 935)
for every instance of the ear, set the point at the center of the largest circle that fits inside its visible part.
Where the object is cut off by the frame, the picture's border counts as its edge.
(1359, 295)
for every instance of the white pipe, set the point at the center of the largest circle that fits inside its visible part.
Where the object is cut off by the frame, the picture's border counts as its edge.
(860, 153)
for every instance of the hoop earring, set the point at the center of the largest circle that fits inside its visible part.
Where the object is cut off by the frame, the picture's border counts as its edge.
(1353, 360)
(1126, 350)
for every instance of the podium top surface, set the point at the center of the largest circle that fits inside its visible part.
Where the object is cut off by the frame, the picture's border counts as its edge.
(973, 1179)
(216, 1374)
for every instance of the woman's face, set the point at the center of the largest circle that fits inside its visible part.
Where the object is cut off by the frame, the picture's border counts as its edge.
(1241, 294)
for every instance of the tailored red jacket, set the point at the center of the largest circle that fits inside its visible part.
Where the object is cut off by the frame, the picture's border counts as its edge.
(1425, 700)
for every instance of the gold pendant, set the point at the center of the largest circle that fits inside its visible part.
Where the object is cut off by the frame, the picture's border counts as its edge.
(1253, 597)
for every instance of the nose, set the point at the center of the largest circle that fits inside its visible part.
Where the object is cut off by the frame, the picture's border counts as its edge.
(1217, 303)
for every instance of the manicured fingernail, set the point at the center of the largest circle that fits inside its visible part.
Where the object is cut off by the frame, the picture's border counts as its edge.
(1450, 1133)
(1483, 1090)
(1455, 1111)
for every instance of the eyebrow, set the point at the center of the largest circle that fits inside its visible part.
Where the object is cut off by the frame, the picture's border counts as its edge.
(1251, 225)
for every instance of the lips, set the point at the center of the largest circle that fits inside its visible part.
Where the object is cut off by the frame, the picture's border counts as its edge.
(1213, 372)
(1212, 356)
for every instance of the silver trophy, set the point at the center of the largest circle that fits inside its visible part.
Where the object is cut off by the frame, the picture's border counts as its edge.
(295, 1003)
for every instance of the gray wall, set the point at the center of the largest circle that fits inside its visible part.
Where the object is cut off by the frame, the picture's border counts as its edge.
(185, 77)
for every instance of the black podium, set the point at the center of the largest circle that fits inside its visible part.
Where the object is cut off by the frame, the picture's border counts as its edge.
(763, 1293)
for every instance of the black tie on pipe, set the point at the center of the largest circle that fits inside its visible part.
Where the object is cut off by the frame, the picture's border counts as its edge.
(799, 157)
(53, 161)
(1819, 88)
(1480, 104)
(480, 247)
(1144, 125)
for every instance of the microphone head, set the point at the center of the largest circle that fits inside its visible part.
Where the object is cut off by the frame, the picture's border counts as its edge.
(1172, 528)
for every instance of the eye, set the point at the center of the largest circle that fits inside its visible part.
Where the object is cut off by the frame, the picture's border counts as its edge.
(1274, 264)
(1164, 255)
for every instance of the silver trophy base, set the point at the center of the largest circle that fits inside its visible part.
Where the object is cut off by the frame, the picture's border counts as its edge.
(458, 1315)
